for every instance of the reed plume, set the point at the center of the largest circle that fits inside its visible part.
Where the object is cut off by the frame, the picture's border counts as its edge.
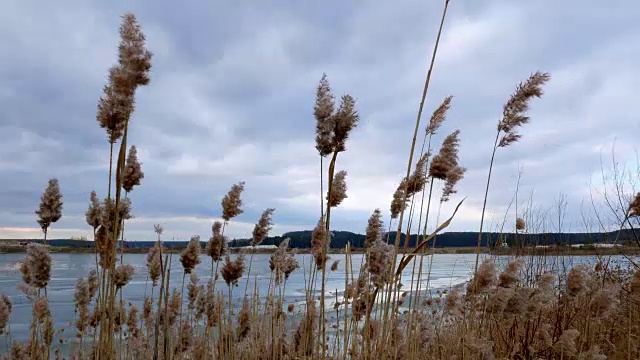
(338, 189)
(111, 113)
(400, 200)
(334, 265)
(453, 177)
(37, 266)
(447, 158)
(133, 56)
(373, 232)
(418, 179)
(513, 113)
(93, 215)
(132, 173)
(513, 116)
(438, 116)
(232, 203)
(262, 228)
(281, 263)
(5, 313)
(50, 209)
(122, 275)
(244, 319)
(344, 121)
(380, 262)
(232, 269)
(154, 263)
(324, 112)
(634, 206)
(190, 256)
(217, 245)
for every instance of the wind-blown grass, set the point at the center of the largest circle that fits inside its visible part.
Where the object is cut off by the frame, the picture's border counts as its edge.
(524, 310)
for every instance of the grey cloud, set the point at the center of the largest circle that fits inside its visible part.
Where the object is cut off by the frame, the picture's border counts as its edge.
(233, 87)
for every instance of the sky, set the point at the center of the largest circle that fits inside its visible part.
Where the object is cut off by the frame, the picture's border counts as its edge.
(232, 92)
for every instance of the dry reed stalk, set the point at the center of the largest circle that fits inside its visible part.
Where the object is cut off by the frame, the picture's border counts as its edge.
(323, 112)
(160, 296)
(411, 152)
(513, 116)
(114, 110)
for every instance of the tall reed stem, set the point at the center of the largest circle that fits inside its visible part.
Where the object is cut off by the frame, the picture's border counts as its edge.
(411, 152)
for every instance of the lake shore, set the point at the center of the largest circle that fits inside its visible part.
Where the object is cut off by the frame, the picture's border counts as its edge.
(586, 250)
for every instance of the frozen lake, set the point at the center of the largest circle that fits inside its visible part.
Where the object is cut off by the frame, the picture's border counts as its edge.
(447, 270)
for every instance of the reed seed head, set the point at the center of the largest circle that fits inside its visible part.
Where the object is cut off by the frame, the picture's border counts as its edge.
(334, 266)
(133, 56)
(154, 263)
(81, 295)
(447, 159)
(158, 229)
(262, 228)
(232, 270)
(438, 116)
(109, 214)
(25, 269)
(193, 290)
(323, 112)
(484, 279)
(513, 113)
(418, 179)
(509, 277)
(132, 173)
(94, 213)
(40, 308)
(132, 320)
(338, 189)
(123, 275)
(50, 209)
(217, 244)
(320, 244)
(577, 280)
(39, 265)
(113, 109)
(374, 229)
(634, 206)
(520, 224)
(379, 262)
(5, 312)
(453, 177)
(232, 203)
(93, 282)
(344, 121)
(282, 263)
(190, 256)
(244, 319)
(400, 201)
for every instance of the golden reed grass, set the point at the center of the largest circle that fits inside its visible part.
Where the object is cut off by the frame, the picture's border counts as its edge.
(517, 311)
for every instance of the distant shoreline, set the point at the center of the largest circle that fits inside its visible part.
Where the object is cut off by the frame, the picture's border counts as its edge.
(8, 248)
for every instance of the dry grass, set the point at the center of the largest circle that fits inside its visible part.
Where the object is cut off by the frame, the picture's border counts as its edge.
(529, 309)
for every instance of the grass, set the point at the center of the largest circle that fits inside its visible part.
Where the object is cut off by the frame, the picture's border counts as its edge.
(532, 307)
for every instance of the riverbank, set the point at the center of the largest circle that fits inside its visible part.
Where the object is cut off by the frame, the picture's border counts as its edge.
(8, 248)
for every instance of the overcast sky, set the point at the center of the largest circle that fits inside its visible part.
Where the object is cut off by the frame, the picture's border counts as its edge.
(232, 92)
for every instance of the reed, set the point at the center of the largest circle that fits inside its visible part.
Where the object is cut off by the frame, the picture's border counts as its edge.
(521, 308)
